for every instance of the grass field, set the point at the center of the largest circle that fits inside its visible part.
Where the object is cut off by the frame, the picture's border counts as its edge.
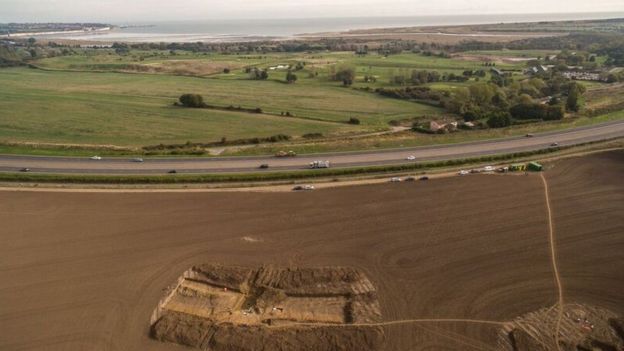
(410, 139)
(99, 98)
(136, 109)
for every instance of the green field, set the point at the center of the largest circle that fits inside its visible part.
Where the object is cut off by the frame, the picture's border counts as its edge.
(136, 109)
(69, 104)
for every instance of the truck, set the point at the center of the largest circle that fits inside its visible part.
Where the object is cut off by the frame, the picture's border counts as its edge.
(319, 164)
(535, 167)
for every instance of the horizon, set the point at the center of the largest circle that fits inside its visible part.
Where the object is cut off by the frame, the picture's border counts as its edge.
(600, 15)
(115, 11)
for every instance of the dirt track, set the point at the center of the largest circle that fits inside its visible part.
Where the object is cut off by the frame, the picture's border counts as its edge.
(83, 271)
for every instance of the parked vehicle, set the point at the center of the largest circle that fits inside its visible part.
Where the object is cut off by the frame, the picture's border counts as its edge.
(306, 187)
(488, 169)
(319, 164)
(529, 135)
(410, 179)
(395, 180)
(411, 158)
(424, 178)
(535, 167)
(502, 169)
(463, 172)
(555, 144)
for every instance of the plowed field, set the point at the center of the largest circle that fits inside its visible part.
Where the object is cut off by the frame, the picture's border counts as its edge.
(449, 257)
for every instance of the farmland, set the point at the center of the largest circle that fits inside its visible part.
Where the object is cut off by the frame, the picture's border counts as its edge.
(450, 255)
(343, 93)
(131, 109)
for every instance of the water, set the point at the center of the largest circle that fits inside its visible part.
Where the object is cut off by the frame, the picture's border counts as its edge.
(258, 29)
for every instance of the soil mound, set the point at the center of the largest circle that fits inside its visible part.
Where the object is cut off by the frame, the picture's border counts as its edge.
(214, 307)
(582, 327)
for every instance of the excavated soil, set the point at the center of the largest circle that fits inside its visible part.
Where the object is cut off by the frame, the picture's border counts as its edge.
(581, 327)
(214, 307)
(84, 271)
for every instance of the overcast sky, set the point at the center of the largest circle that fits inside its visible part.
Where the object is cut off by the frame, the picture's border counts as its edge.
(151, 10)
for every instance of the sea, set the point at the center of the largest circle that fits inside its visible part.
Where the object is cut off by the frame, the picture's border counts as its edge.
(268, 29)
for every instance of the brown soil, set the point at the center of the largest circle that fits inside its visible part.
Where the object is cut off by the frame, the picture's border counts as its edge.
(582, 328)
(84, 271)
(235, 308)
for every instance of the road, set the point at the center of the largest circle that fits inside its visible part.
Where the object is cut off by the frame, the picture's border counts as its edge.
(76, 165)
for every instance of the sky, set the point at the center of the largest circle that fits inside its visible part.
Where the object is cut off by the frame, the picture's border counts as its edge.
(116, 11)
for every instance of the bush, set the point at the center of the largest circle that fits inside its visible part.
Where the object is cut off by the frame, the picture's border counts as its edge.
(346, 75)
(291, 77)
(312, 135)
(192, 100)
(499, 120)
(354, 120)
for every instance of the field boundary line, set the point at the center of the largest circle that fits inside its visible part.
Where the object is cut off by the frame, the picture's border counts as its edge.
(553, 258)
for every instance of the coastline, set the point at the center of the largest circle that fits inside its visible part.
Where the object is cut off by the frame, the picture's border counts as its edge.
(440, 28)
(70, 32)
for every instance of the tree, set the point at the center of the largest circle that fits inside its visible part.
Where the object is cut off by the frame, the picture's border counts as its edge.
(554, 112)
(499, 120)
(573, 102)
(290, 77)
(354, 120)
(192, 100)
(32, 41)
(346, 75)
(257, 74)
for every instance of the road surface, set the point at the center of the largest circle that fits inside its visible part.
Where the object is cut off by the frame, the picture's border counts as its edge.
(113, 165)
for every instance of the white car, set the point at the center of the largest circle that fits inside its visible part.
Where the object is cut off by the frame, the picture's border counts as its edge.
(97, 158)
(411, 158)
(488, 169)
(463, 172)
(308, 187)
(395, 179)
(138, 159)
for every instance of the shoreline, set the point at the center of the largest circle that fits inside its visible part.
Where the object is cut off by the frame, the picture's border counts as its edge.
(40, 34)
(488, 29)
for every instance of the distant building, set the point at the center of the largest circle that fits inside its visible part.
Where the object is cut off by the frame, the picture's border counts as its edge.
(435, 126)
(539, 69)
(497, 72)
(577, 75)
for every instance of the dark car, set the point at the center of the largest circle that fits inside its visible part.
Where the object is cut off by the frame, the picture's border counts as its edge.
(264, 166)
(424, 178)
(173, 171)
